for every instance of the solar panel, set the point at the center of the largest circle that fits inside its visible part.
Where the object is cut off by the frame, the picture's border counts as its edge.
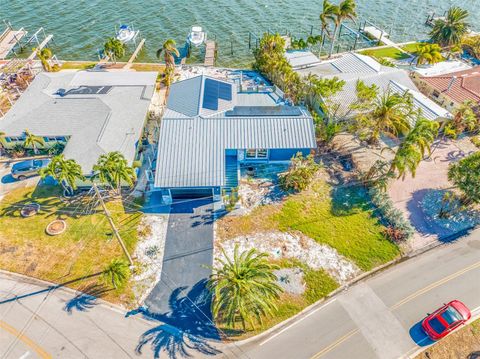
(210, 95)
(88, 90)
(264, 111)
(225, 91)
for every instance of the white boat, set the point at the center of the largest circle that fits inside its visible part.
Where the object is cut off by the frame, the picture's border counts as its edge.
(126, 34)
(197, 36)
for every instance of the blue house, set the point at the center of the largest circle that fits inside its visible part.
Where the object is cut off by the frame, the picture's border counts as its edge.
(211, 127)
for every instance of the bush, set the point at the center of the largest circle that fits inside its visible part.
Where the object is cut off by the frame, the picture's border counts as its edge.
(399, 226)
(300, 174)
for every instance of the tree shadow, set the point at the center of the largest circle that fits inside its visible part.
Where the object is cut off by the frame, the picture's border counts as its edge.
(188, 326)
(419, 336)
(347, 200)
(86, 299)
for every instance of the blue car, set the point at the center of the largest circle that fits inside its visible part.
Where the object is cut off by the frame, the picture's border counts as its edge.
(24, 169)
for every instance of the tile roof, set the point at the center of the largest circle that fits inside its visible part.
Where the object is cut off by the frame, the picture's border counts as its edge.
(95, 123)
(460, 86)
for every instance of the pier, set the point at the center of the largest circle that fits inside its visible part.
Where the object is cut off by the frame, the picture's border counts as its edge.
(210, 50)
(132, 58)
(40, 46)
(431, 19)
(380, 35)
(9, 39)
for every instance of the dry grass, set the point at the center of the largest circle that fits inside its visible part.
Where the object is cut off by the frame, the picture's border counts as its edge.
(148, 67)
(77, 65)
(464, 343)
(82, 250)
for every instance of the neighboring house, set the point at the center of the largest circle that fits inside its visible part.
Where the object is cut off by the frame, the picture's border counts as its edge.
(352, 67)
(92, 112)
(451, 89)
(211, 127)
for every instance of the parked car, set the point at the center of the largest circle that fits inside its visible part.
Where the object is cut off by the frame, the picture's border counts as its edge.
(446, 319)
(24, 169)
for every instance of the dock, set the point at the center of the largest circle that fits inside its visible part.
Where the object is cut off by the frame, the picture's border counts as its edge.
(9, 39)
(432, 19)
(40, 46)
(210, 50)
(132, 58)
(379, 35)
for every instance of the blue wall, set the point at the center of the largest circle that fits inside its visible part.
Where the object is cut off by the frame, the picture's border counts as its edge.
(286, 154)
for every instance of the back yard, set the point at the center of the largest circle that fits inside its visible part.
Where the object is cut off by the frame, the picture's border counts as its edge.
(83, 250)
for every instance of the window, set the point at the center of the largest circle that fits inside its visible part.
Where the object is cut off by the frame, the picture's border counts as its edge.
(436, 93)
(253, 153)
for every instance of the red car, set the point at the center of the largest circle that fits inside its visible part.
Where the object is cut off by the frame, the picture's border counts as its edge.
(446, 319)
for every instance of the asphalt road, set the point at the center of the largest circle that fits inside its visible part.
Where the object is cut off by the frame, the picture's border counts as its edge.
(378, 318)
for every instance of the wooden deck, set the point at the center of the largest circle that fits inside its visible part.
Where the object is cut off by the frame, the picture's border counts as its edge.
(132, 58)
(8, 40)
(210, 49)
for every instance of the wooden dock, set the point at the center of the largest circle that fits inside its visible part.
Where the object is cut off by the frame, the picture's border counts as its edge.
(210, 50)
(9, 39)
(132, 58)
(40, 46)
(379, 35)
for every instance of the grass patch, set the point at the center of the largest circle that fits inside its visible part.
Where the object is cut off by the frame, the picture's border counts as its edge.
(319, 285)
(81, 251)
(463, 343)
(77, 65)
(148, 67)
(341, 218)
(392, 52)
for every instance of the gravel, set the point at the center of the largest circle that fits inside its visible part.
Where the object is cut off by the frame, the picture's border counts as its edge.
(294, 246)
(291, 280)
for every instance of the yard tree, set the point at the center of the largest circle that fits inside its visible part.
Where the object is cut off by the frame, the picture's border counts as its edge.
(32, 141)
(450, 30)
(114, 48)
(465, 175)
(429, 53)
(169, 51)
(300, 173)
(116, 272)
(66, 172)
(244, 288)
(113, 169)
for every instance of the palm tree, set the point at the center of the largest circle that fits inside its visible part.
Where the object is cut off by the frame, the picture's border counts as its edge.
(429, 53)
(414, 147)
(114, 48)
(66, 172)
(32, 141)
(112, 168)
(464, 118)
(450, 30)
(391, 114)
(345, 10)
(244, 288)
(169, 50)
(116, 273)
(326, 17)
(44, 55)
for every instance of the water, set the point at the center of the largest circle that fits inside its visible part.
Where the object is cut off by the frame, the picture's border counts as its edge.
(81, 26)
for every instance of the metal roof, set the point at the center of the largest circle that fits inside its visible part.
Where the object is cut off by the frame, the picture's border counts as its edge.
(96, 123)
(191, 152)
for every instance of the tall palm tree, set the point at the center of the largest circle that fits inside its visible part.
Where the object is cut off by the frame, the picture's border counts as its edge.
(327, 16)
(414, 147)
(32, 141)
(169, 50)
(345, 10)
(391, 114)
(116, 273)
(464, 118)
(244, 288)
(450, 30)
(44, 55)
(429, 53)
(112, 168)
(66, 172)
(114, 48)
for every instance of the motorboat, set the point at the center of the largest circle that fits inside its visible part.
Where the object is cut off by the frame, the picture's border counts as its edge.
(126, 34)
(197, 36)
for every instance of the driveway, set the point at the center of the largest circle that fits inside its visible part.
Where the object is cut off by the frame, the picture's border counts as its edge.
(8, 183)
(188, 250)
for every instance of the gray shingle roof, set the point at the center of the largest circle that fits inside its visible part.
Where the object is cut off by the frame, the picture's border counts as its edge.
(97, 124)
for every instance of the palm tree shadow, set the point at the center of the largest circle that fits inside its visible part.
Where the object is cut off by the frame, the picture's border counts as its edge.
(188, 326)
(86, 299)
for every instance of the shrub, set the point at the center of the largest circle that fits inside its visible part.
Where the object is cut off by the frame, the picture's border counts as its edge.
(392, 216)
(300, 174)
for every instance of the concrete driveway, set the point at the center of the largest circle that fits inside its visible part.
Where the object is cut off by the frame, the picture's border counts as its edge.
(188, 250)
(8, 183)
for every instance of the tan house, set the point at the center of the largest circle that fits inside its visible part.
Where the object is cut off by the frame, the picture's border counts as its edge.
(451, 89)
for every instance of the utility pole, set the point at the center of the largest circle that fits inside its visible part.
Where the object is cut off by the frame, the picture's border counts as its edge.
(112, 225)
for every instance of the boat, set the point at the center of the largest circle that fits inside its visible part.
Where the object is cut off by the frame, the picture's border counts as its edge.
(196, 36)
(126, 34)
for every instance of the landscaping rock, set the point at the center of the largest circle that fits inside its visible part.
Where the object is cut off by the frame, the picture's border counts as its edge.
(149, 254)
(291, 280)
(294, 246)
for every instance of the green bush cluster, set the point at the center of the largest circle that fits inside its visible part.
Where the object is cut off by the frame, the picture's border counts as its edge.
(300, 174)
(391, 215)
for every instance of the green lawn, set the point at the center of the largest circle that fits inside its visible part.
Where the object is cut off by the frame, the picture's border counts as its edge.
(392, 52)
(78, 65)
(82, 250)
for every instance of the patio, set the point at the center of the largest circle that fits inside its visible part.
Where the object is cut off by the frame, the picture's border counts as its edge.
(432, 174)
